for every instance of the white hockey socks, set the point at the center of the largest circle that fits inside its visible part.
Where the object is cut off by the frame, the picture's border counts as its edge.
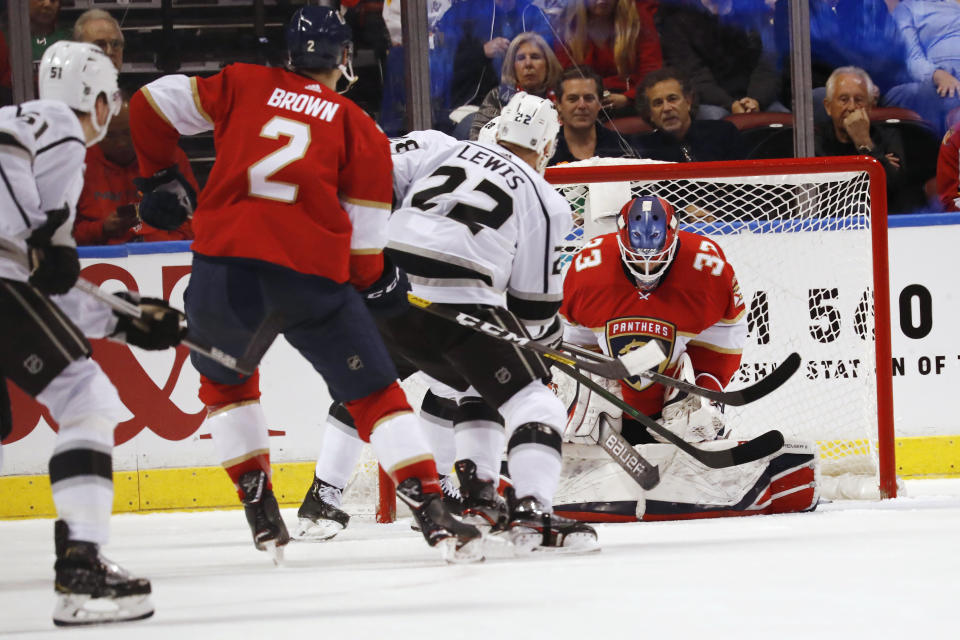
(534, 418)
(340, 450)
(81, 477)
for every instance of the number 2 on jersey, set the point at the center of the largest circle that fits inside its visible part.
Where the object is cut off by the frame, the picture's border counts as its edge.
(298, 139)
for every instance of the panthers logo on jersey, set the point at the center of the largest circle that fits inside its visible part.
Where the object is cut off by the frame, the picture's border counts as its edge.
(628, 333)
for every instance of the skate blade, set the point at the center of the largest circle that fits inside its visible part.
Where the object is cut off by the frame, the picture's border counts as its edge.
(74, 610)
(275, 551)
(467, 553)
(528, 542)
(310, 531)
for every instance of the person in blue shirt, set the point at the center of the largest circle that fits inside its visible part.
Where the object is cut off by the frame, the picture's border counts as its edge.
(931, 29)
(472, 40)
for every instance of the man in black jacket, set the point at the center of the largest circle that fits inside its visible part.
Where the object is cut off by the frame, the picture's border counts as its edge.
(850, 98)
(668, 102)
(581, 136)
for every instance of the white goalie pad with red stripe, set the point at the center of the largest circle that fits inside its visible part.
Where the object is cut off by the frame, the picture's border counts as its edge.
(595, 489)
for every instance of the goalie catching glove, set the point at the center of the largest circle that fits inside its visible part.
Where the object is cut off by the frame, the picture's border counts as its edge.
(159, 326)
(167, 199)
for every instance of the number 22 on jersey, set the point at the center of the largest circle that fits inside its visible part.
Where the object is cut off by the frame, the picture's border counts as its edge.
(259, 173)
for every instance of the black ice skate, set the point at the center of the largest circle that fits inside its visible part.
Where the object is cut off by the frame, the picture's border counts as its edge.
(90, 588)
(458, 542)
(482, 505)
(320, 515)
(532, 528)
(452, 499)
(263, 514)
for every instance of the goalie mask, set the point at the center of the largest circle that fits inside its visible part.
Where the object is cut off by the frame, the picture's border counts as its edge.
(531, 123)
(647, 235)
(318, 39)
(77, 73)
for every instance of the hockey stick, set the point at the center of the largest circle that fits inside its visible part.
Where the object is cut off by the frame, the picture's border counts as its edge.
(736, 398)
(762, 445)
(634, 363)
(246, 364)
(643, 472)
(759, 447)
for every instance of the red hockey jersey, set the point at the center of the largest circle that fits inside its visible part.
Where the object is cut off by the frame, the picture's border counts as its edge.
(697, 309)
(302, 177)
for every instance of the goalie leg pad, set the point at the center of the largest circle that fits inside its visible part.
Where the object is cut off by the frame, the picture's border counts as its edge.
(784, 483)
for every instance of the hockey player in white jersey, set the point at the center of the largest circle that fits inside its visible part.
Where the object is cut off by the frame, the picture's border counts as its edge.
(42, 148)
(478, 228)
(444, 413)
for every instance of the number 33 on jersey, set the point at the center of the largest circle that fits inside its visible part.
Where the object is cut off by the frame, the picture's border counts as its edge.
(697, 308)
(303, 175)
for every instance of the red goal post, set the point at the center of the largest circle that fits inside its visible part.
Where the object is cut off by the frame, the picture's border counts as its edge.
(808, 241)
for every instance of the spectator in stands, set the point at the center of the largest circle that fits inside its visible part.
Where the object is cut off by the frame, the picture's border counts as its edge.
(948, 170)
(726, 62)
(858, 33)
(529, 65)
(394, 90)
(100, 28)
(617, 39)
(850, 99)
(931, 29)
(474, 36)
(43, 26)
(581, 135)
(44, 31)
(106, 210)
(669, 103)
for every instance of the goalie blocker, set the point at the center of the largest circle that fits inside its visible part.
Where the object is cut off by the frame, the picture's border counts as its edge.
(594, 489)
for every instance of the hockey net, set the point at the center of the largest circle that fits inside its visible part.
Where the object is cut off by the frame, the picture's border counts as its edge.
(807, 240)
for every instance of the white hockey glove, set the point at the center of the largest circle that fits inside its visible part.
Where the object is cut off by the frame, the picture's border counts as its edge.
(583, 423)
(691, 417)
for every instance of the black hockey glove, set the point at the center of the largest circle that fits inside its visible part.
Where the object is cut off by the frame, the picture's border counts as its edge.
(159, 326)
(387, 297)
(167, 199)
(53, 269)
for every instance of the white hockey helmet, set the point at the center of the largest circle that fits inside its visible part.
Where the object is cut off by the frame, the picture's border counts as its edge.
(532, 123)
(488, 132)
(77, 73)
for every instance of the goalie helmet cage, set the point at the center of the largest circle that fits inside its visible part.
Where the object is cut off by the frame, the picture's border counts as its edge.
(807, 239)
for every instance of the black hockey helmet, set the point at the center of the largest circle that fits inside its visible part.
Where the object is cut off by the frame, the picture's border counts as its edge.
(316, 38)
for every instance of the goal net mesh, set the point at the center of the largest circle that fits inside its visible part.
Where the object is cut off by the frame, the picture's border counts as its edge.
(801, 247)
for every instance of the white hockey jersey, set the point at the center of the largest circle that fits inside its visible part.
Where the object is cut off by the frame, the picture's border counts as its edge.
(42, 151)
(475, 224)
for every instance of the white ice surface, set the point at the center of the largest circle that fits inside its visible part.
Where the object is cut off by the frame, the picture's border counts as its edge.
(857, 570)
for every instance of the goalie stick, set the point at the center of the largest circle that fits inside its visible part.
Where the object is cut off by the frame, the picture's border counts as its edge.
(763, 445)
(643, 472)
(246, 364)
(634, 363)
(736, 398)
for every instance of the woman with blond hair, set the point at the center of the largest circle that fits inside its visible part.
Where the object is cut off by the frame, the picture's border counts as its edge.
(617, 38)
(528, 65)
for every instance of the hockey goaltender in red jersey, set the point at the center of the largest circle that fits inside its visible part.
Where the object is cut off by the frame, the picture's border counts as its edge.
(651, 281)
(290, 231)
